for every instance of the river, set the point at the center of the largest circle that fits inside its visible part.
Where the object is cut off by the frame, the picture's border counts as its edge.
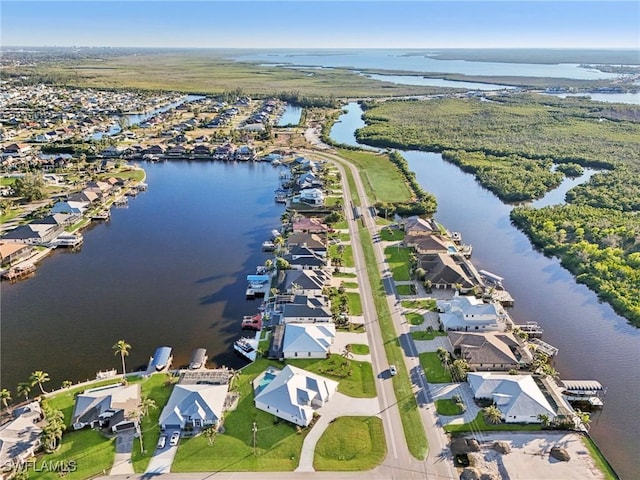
(168, 270)
(594, 342)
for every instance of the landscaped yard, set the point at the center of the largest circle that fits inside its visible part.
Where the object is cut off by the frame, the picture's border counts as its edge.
(433, 369)
(359, 349)
(355, 306)
(424, 304)
(349, 284)
(446, 406)
(405, 290)
(345, 275)
(427, 334)
(415, 318)
(391, 234)
(398, 260)
(278, 443)
(347, 254)
(351, 444)
(480, 424)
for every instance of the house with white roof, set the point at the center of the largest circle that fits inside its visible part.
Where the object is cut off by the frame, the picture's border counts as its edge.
(308, 340)
(105, 407)
(292, 393)
(518, 397)
(468, 313)
(20, 438)
(310, 196)
(194, 406)
(70, 207)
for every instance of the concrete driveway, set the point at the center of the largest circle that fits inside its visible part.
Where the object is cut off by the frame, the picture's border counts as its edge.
(163, 458)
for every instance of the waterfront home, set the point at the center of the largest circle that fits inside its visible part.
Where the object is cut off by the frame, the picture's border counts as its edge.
(467, 313)
(62, 219)
(308, 340)
(312, 241)
(446, 271)
(224, 152)
(201, 150)
(518, 397)
(292, 393)
(490, 350)
(33, 234)
(244, 153)
(420, 226)
(86, 195)
(192, 407)
(305, 164)
(303, 282)
(309, 225)
(105, 407)
(310, 196)
(424, 244)
(308, 180)
(70, 207)
(305, 309)
(14, 252)
(154, 150)
(177, 151)
(302, 258)
(16, 150)
(20, 438)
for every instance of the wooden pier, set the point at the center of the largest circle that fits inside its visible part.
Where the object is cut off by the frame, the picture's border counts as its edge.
(16, 273)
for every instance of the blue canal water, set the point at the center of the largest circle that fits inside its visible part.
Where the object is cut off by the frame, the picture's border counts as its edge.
(290, 116)
(168, 270)
(595, 343)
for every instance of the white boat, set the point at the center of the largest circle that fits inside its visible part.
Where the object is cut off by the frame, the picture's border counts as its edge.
(247, 347)
(275, 233)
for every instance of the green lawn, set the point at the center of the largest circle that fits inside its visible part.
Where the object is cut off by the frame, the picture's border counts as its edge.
(278, 442)
(11, 214)
(342, 224)
(405, 290)
(356, 378)
(344, 237)
(427, 334)
(391, 234)
(398, 260)
(156, 388)
(480, 424)
(599, 458)
(350, 284)
(332, 201)
(6, 181)
(351, 444)
(425, 304)
(90, 450)
(359, 349)
(355, 306)
(415, 318)
(446, 406)
(137, 175)
(382, 180)
(433, 369)
(345, 275)
(409, 415)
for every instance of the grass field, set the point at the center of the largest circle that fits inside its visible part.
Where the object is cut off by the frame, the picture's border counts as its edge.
(415, 318)
(405, 289)
(599, 458)
(427, 335)
(391, 234)
(351, 444)
(398, 259)
(355, 306)
(425, 304)
(381, 178)
(359, 349)
(349, 284)
(446, 406)
(433, 369)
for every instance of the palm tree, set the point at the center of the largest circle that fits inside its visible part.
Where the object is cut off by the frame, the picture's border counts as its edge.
(52, 432)
(38, 378)
(584, 418)
(210, 432)
(24, 389)
(147, 404)
(460, 369)
(544, 419)
(5, 397)
(492, 415)
(67, 384)
(347, 352)
(121, 347)
(443, 355)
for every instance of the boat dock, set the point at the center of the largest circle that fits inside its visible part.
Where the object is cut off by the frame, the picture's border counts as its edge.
(583, 392)
(198, 358)
(160, 361)
(532, 329)
(17, 273)
(68, 240)
(544, 347)
(258, 285)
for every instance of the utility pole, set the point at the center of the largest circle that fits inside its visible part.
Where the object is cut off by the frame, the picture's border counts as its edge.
(255, 430)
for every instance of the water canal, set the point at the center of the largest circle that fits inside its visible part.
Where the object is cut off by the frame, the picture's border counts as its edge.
(594, 342)
(168, 270)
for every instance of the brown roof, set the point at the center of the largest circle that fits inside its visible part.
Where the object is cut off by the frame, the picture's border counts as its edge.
(427, 243)
(485, 348)
(9, 248)
(442, 268)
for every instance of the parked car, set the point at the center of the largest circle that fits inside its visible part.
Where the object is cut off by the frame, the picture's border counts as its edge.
(162, 441)
(175, 437)
(393, 370)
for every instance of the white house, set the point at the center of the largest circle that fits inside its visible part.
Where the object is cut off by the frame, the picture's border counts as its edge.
(308, 340)
(194, 406)
(20, 437)
(293, 393)
(311, 196)
(517, 396)
(70, 207)
(467, 313)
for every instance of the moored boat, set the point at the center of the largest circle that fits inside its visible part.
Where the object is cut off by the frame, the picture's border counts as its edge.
(198, 358)
(247, 347)
(252, 322)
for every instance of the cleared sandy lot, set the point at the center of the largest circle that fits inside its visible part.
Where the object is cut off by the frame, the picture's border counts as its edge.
(529, 457)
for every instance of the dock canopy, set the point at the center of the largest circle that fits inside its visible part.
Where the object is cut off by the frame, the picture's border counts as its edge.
(589, 385)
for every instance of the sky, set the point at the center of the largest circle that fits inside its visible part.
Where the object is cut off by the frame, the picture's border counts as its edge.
(322, 24)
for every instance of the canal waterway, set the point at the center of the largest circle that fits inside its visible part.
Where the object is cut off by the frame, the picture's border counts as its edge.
(168, 270)
(290, 116)
(594, 342)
